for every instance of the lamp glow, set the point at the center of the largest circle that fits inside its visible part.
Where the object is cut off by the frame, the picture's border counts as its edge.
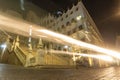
(3, 46)
(80, 43)
(78, 17)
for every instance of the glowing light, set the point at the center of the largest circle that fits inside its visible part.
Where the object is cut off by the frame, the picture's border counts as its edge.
(10, 24)
(65, 46)
(29, 40)
(74, 58)
(59, 12)
(80, 43)
(30, 32)
(42, 36)
(3, 46)
(78, 17)
(101, 57)
(105, 58)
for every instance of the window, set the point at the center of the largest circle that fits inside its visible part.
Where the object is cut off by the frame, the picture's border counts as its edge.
(71, 12)
(62, 26)
(77, 9)
(68, 24)
(73, 20)
(51, 20)
(80, 27)
(66, 16)
(74, 30)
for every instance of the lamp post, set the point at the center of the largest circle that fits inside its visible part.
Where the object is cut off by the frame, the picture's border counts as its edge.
(29, 41)
(3, 46)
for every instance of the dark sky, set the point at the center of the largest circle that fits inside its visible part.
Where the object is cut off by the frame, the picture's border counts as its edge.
(104, 13)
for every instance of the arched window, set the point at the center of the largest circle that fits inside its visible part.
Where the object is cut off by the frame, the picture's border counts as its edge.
(77, 9)
(66, 16)
(68, 24)
(73, 20)
(80, 27)
(71, 12)
(62, 26)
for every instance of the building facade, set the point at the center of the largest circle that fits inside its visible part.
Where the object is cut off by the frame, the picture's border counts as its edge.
(75, 22)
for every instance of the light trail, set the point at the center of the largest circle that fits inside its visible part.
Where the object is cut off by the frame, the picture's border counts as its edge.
(80, 43)
(100, 57)
(21, 27)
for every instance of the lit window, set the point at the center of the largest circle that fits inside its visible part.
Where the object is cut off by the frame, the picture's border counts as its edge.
(78, 17)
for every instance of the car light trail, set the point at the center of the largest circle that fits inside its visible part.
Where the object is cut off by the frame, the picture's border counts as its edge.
(80, 43)
(21, 27)
(101, 57)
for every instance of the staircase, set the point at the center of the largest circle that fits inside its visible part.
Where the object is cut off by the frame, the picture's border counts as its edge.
(20, 55)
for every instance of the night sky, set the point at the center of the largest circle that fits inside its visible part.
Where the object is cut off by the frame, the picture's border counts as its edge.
(105, 13)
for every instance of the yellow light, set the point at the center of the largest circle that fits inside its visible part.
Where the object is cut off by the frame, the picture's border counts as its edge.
(105, 58)
(21, 27)
(78, 17)
(80, 43)
(42, 36)
(101, 57)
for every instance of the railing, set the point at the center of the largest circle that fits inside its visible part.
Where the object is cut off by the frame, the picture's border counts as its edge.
(28, 59)
(44, 58)
(64, 57)
(21, 55)
(63, 61)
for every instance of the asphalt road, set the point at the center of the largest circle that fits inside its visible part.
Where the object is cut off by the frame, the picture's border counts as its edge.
(9, 72)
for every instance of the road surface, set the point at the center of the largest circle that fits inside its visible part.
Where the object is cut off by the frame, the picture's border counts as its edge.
(9, 72)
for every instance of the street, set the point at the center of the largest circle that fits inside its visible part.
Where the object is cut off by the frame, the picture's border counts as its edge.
(9, 72)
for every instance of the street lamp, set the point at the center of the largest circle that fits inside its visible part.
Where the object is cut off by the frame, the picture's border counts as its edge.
(3, 46)
(30, 38)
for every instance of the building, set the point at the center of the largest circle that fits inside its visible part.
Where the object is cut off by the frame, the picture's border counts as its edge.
(76, 23)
